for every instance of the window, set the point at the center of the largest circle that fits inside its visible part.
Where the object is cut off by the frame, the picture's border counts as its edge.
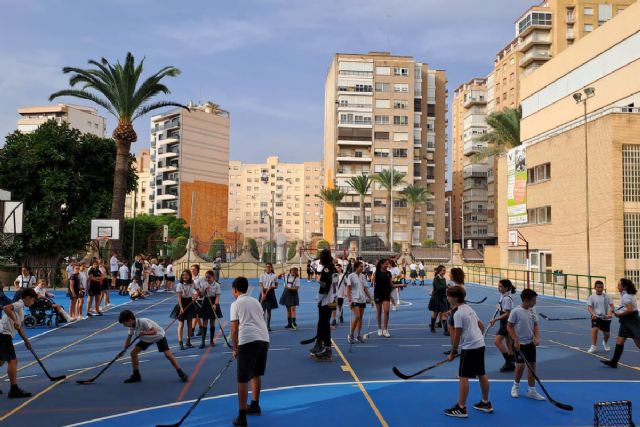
(382, 87)
(517, 257)
(400, 120)
(631, 173)
(379, 203)
(400, 203)
(631, 235)
(401, 71)
(604, 12)
(383, 71)
(400, 136)
(588, 11)
(431, 110)
(382, 120)
(400, 87)
(539, 173)
(399, 152)
(588, 28)
(383, 103)
(382, 136)
(381, 152)
(363, 88)
(543, 215)
(400, 104)
(379, 219)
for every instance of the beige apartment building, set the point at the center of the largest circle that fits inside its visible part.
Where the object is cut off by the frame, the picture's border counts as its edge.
(142, 196)
(286, 190)
(190, 161)
(469, 176)
(582, 218)
(385, 111)
(85, 119)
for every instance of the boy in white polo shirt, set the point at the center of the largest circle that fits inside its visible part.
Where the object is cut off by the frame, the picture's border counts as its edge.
(467, 334)
(600, 307)
(250, 347)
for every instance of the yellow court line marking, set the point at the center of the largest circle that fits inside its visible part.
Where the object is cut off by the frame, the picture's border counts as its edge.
(347, 368)
(594, 355)
(81, 340)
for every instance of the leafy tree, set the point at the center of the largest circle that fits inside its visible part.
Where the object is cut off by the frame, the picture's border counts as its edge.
(293, 247)
(332, 197)
(179, 247)
(117, 88)
(389, 179)
(504, 133)
(217, 246)
(149, 234)
(361, 184)
(415, 195)
(322, 244)
(64, 179)
(253, 247)
(429, 243)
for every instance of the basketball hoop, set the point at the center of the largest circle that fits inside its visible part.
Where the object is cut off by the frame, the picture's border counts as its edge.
(513, 238)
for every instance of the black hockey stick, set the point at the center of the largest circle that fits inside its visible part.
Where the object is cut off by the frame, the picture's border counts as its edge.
(61, 377)
(422, 371)
(477, 302)
(563, 318)
(219, 324)
(118, 356)
(202, 395)
(554, 402)
(486, 328)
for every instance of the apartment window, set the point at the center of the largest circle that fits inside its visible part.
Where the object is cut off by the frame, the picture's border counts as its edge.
(539, 173)
(401, 71)
(400, 203)
(382, 120)
(631, 235)
(431, 110)
(382, 136)
(383, 103)
(518, 257)
(400, 152)
(381, 152)
(588, 28)
(379, 203)
(379, 219)
(401, 87)
(363, 88)
(604, 12)
(539, 215)
(383, 71)
(400, 104)
(400, 136)
(382, 87)
(588, 11)
(631, 173)
(400, 120)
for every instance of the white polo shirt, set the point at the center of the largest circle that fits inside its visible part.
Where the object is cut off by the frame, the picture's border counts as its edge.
(467, 319)
(6, 324)
(247, 311)
(143, 325)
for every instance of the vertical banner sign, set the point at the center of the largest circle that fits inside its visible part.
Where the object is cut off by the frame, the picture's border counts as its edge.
(517, 186)
(165, 233)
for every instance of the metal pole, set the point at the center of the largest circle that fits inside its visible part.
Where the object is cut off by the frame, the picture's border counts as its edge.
(451, 230)
(462, 220)
(272, 225)
(193, 202)
(391, 201)
(586, 174)
(133, 232)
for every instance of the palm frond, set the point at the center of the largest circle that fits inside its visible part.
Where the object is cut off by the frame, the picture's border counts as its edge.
(160, 104)
(84, 95)
(361, 184)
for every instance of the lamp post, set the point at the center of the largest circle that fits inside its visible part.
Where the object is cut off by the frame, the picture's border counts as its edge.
(588, 92)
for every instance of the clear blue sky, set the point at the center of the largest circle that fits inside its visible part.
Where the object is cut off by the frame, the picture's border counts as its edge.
(263, 60)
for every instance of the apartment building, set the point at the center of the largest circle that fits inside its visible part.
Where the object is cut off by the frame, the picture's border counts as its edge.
(85, 119)
(582, 189)
(190, 162)
(139, 201)
(386, 111)
(547, 29)
(469, 174)
(286, 190)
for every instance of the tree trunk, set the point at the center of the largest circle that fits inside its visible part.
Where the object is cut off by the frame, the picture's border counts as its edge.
(335, 230)
(389, 219)
(363, 223)
(412, 211)
(124, 135)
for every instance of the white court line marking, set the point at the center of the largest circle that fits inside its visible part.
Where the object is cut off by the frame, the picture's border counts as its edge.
(19, 378)
(187, 356)
(139, 361)
(409, 345)
(351, 383)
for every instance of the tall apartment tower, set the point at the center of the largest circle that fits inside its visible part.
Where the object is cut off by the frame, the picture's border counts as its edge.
(139, 202)
(469, 176)
(547, 29)
(85, 119)
(385, 111)
(190, 161)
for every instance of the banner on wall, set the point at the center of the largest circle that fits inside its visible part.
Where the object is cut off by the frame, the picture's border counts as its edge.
(517, 186)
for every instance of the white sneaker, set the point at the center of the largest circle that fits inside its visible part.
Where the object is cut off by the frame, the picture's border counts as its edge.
(515, 390)
(532, 393)
(393, 308)
(592, 349)
(386, 334)
(379, 332)
(606, 346)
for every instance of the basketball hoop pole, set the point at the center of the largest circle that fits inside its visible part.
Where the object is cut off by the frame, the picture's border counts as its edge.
(527, 255)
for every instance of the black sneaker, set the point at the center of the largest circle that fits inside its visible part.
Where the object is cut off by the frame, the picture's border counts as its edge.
(341, 319)
(18, 393)
(610, 363)
(508, 367)
(456, 411)
(189, 345)
(484, 407)
(254, 409)
(432, 328)
(181, 345)
(199, 334)
(183, 377)
(240, 422)
(99, 314)
(334, 323)
(134, 378)
(317, 348)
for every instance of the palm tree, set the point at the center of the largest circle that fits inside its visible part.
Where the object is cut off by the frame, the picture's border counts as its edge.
(333, 197)
(117, 89)
(414, 195)
(389, 179)
(504, 134)
(361, 184)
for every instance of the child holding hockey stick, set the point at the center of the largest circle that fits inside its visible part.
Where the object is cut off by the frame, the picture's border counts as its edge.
(503, 341)
(600, 307)
(268, 286)
(290, 298)
(629, 320)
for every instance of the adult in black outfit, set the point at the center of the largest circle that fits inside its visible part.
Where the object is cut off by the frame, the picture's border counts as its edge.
(438, 302)
(326, 303)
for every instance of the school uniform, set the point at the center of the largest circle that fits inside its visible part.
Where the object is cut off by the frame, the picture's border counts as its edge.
(113, 266)
(26, 281)
(505, 304)
(421, 271)
(168, 274)
(74, 282)
(601, 305)
(95, 281)
(269, 301)
(143, 325)
(326, 300)
(524, 321)
(471, 342)
(253, 337)
(208, 294)
(123, 276)
(629, 324)
(382, 289)
(104, 284)
(133, 288)
(341, 290)
(413, 273)
(290, 296)
(186, 290)
(8, 331)
(438, 301)
(153, 276)
(357, 283)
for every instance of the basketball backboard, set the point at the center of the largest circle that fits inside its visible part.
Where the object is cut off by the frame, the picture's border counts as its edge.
(513, 238)
(11, 213)
(105, 229)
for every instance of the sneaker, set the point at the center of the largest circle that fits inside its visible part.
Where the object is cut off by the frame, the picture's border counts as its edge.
(134, 378)
(386, 334)
(324, 354)
(89, 314)
(183, 377)
(334, 323)
(515, 390)
(359, 339)
(379, 332)
(484, 407)
(18, 393)
(254, 409)
(181, 345)
(294, 326)
(317, 348)
(532, 393)
(351, 340)
(240, 422)
(610, 363)
(606, 346)
(99, 314)
(592, 349)
(394, 308)
(456, 411)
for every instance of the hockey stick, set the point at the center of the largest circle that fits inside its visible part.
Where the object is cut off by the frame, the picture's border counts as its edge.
(557, 404)
(564, 318)
(118, 356)
(219, 324)
(477, 302)
(486, 329)
(310, 340)
(58, 378)
(422, 371)
(202, 395)
(366, 336)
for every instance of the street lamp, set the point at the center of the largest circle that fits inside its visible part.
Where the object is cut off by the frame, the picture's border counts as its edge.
(588, 92)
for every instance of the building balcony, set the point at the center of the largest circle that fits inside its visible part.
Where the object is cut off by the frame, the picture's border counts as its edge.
(173, 124)
(167, 154)
(355, 142)
(534, 39)
(531, 28)
(165, 211)
(171, 139)
(471, 184)
(168, 196)
(167, 182)
(571, 19)
(474, 172)
(169, 168)
(571, 35)
(350, 156)
(475, 195)
(534, 56)
(474, 100)
(362, 124)
(355, 107)
(352, 90)
(473, 148)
